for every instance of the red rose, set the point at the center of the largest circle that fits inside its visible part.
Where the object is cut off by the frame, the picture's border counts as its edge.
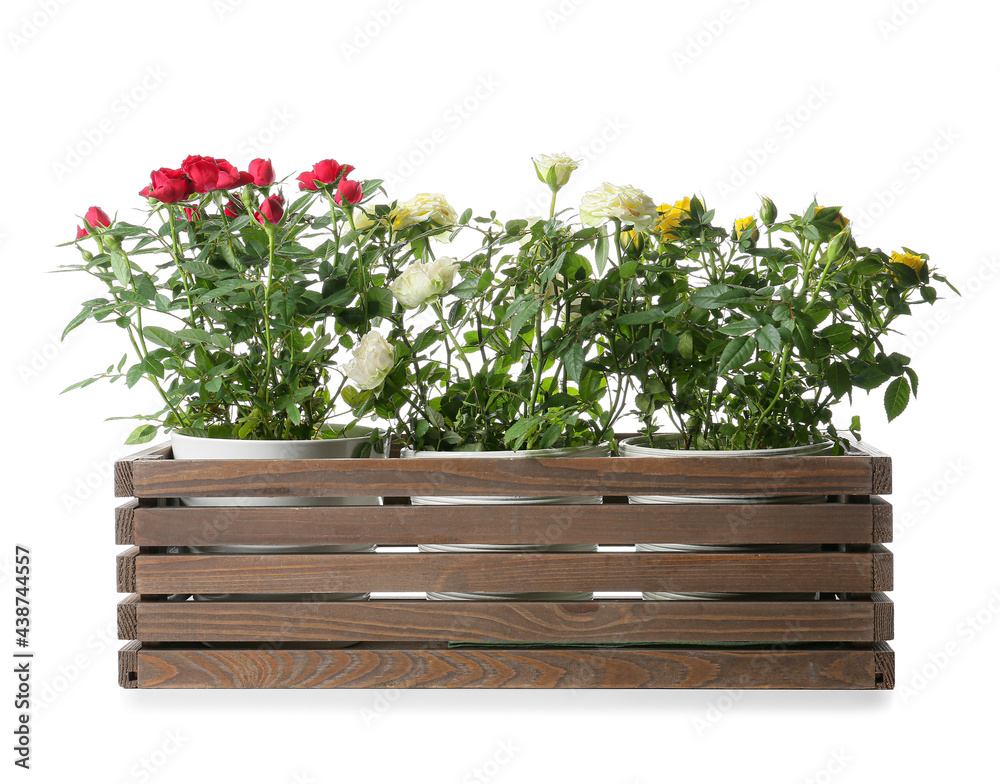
(97, 217)
(261, 171)
(232, 209)
(325, 172)
(81, 232)
(214, 174)
(349, 191)
(168, 186)
(191, 213)
(272, 209)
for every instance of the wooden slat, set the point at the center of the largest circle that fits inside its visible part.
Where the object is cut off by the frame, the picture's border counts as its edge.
(881, 520)
(438, 667)
(825, 571)
(125, 571)
(125, 468)
(882, 568)
(406, 525)
(128, 665)
(885, 666)
(884, 616)
(602, 621)
(847, 474)
(881, 466)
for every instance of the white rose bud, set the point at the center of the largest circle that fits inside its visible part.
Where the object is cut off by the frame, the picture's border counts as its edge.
(423, 282)
(373, 360)
(621, 202)
(554, 170)
(423, 208)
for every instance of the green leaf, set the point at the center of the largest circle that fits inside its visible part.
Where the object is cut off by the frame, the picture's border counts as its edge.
(710, 296)
(601, 251)
(574, 362)
(897, 396)
(685, 345)
(738, 328)
(768, 338)
(838, 376)
(650, 316)
(838, 334)
(122, 270)
(78, 319)
(161, 337)
(142, 434)
(736, 354)
(523, 313)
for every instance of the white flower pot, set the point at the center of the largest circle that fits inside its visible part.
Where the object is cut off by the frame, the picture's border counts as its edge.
(197, 448)
(555, 596)
(634, 447)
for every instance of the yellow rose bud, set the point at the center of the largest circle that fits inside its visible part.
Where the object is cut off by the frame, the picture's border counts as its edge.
(632, 242)
(839, 219)
(742, 224)
(670, 218)
(911, 260)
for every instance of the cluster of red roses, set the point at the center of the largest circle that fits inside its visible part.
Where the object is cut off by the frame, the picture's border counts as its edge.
(201, 174)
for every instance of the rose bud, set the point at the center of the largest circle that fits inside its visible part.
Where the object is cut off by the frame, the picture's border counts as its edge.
(81, 232)
(272, 209)
(191, 213)
(232, 209)
(349, 191)
(168, 186)
(325, 172)
(261, 171)
(97, 217)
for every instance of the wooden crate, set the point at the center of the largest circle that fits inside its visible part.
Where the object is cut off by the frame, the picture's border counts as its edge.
(837, 641)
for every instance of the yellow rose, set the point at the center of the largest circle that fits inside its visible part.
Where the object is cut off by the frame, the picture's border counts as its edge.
(839, 219)
(911, 260)
(670, 218)
(423, 208)
(742, 224)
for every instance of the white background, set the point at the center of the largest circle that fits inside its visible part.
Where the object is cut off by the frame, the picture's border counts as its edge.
(887, 108)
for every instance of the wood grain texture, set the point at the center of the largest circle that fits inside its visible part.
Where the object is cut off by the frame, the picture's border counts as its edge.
(881, 520)
(882, 568)
(414, 620)
(846, 474)
(885, 666)
(125, 571)
(128, 666)
(125, 468)
(437, 667)
(311, 573)
(881, 467)
(884, 617)
(609, 523)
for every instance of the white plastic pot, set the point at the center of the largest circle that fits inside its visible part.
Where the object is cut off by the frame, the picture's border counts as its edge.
(554, 596)
(198, 448)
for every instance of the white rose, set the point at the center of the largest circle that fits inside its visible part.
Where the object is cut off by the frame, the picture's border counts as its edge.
(422, 208)
(559, 167)
(627, 204)
(423, 282)
(362, 219)
(372, 361)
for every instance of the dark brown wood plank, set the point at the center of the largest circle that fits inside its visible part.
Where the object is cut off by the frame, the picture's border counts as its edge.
(885, 666)
(881, 520)
(884, 617)
(881, 466)
(125, 522)
(125, 468)
(436, 667)
(882, 568)
(410, 525)
(311, 573)
(846, 474)
(125, 571)
(601, 621)
(128, 665)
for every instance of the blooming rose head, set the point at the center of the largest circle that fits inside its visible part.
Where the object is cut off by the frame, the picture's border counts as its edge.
(424, 208)
(423, 282)
(745, 224)
(349, 191)
(272, 209)
(168, 186)
(617, 202)
(911, 260)
(670, 217)
(262, 172)
(213, 174)
(554, 170)
(325, 172)
(373, 358)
